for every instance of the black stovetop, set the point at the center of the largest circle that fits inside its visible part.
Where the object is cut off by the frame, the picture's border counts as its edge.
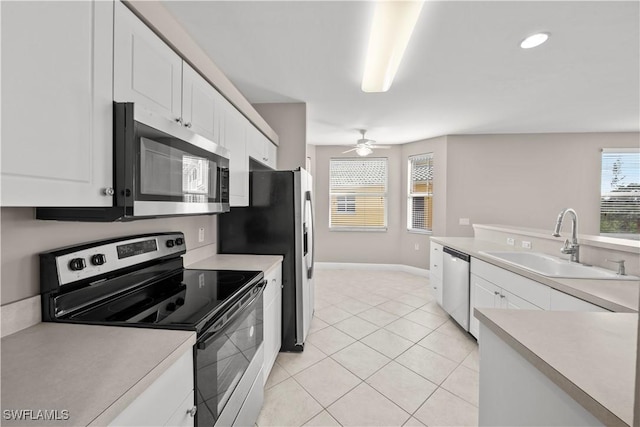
(185, 299)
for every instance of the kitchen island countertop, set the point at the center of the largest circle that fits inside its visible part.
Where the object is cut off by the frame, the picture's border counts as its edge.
(93, 372)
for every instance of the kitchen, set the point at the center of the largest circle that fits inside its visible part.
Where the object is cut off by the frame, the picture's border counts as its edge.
(506, 158)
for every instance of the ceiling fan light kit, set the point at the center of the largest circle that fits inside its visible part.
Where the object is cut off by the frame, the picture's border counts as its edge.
(393, 24)
(363, 151)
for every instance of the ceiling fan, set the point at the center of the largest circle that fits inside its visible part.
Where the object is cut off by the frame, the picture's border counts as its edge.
(365, 146)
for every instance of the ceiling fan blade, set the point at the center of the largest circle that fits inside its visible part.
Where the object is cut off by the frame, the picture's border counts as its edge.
(348, 151)
(384, 147)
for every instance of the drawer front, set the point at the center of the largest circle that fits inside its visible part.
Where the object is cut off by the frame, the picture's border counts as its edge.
(435, 260)
(527, 289)
(514, 302)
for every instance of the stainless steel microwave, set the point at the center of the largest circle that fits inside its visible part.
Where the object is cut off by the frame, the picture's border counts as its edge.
(160, 169)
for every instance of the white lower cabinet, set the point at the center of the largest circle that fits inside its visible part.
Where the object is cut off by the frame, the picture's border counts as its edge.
(484, 294)
(435, 270)
(272, 302)
(168, 401)
(495, 287)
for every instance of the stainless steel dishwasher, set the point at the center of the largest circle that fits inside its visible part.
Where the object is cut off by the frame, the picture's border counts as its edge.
(455, 285)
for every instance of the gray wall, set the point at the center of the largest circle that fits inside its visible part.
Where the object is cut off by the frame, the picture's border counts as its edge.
(23, 237)
(289, 121)
(358, 246)
(520, 179)
(525, 180)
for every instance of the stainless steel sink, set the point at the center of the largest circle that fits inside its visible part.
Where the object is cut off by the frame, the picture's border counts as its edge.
(550, 266)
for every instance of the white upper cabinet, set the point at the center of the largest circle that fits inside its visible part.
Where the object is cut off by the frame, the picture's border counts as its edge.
(260, 148)
(57, 72)
(146, 70)
(200, 104)
(235, 140)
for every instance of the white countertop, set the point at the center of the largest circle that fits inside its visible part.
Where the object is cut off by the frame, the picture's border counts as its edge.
(262, 263)
(93, 372)
(614, 295)
(591, 356)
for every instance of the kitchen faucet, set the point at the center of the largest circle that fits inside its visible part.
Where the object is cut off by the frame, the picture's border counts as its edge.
(570, 247)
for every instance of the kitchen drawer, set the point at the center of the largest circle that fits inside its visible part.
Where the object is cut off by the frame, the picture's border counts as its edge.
(527, 289)
(435, 260)
(183, 416)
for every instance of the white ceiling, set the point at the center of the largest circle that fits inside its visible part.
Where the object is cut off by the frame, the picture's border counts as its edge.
(463, 72)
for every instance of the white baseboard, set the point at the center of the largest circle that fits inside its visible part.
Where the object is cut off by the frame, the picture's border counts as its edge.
(366, 266)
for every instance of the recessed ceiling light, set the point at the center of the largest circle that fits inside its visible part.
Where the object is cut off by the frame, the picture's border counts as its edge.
(534, 40)
(393, 23)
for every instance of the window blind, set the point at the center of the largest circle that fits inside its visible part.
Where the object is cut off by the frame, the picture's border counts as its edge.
(420, 193)
(620, 193)
(358, 193)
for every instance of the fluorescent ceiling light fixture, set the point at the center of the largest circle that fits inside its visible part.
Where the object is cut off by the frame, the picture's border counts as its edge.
(363, 150)
(534, 40)
(393, 23)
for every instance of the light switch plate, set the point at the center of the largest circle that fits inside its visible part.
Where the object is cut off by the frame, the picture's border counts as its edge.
(201, 235)
(526, 244)
(511, 241)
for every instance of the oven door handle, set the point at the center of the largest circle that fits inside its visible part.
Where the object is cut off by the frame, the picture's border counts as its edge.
(238, 308)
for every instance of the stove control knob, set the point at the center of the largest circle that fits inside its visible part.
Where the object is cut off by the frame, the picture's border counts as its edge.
(179, 301)
(171, 306)
(170, 243)
(98, 259)
(77, 264)
(179, 241)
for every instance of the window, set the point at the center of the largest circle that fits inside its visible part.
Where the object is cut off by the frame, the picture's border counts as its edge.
(420, 194)
(358, 194)
(620, 193)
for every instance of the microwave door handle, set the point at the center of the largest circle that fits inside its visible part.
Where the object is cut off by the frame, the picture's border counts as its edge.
(213, 333)
(310, 269)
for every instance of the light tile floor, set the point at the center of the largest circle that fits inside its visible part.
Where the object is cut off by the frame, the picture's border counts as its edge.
(381, 352)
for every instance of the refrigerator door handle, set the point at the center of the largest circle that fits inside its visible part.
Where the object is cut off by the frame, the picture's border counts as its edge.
(310, 269)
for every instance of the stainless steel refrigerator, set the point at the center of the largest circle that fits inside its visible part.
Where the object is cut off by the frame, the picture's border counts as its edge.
(278, 221)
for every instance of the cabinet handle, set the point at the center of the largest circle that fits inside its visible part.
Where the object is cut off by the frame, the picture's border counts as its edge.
(266, 159)
(109, 191)
(273, 280)
(179, 120)
(501, 296)
(188, 124)
(435, 265)
(192, 411)
(496, 293)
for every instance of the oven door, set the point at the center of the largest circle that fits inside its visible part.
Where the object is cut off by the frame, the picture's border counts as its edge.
(227, 358)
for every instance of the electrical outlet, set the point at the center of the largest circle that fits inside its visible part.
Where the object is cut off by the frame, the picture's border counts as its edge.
(463, 221)
(511, 241)
(416, 246)
(526, 245)
(201, 235)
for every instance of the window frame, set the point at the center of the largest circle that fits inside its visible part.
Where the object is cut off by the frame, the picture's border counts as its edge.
(612, 152)
(384, 195)
(412, 195)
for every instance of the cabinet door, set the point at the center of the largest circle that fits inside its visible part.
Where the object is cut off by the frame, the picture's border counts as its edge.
(57, 106)
(199, 101)
(483, 294)
(514, 302)
(272, 319)
(235, 142)
(146, 70)
(436, 284)
(271, 153)
(157, 405)
(435, 260)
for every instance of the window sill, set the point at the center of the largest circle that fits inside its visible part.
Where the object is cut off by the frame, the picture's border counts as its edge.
(359, 229)
(414, 231)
